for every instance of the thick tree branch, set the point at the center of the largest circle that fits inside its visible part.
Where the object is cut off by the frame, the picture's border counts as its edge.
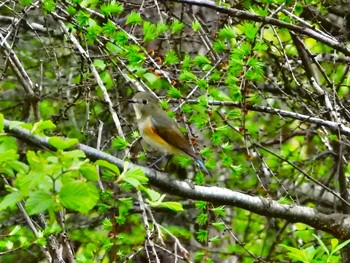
(336, 224)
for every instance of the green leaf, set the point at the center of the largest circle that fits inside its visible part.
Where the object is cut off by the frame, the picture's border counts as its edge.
(1, 123)
(109, 29)
(183, 160)
(249, 30)
(219, 226)
(171, 58)
(304, 255)
(98, 63)
(227, 32)
(40, 126)
(107, 224)
(18, 166)
(72, 155)
(164, 104)
(62, 144)
(262, 11)
(15, 230)
(254, 62)
(135, 177)
(202, 235)
(187, 76)
(36, 178)
(231, 82)
(10, 200)
(150, 78)
(112, 8)
(255, 99)
(236, 96)
(196, 26)
(49, 5)
(219, 211)
(198, 121)
(174, 93)
(260, 46)
(83, 18)
(135, 57)
(93, 32)
(216, 138)
(186, 63)
(7, 144)
(226, 159)
(89, 171)
(25, 2)
(119, 143)
(202, 219)
(234, 114)
(175, 206)
(8, 155)
(202, 205)
(201, 60)
(134, 19)
(107, 79)
(161, 28)
(78, 196)
(114, 49)
(9, 167)
(340, 246)
(71, 10)
(152, 194)
(198, 257)
(52, 229)
(14, 124)
(334, 243)
(149, 31)
(6, 170)
(124, 205)
(108, 166)
(38, 202)
(176, 26)
(236, 169)
(202, 84)
(215, 240)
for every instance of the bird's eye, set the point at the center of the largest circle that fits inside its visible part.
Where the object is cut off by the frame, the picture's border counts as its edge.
(144, 101)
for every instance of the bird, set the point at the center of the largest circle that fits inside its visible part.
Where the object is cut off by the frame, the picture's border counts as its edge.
(159, 130)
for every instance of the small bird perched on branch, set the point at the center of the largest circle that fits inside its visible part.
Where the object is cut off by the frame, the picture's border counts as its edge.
(159, 130)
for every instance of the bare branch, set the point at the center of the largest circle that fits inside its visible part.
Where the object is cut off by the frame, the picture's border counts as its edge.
(336, 224)
(86, 56)
(333, 126)
(268, 20)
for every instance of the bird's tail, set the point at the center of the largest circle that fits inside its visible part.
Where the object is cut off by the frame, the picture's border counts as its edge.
(201, 164)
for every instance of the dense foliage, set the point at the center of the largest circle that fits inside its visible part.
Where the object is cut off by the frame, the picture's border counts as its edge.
(259, 88)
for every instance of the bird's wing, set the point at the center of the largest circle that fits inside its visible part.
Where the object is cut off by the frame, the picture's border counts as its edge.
(167, 129)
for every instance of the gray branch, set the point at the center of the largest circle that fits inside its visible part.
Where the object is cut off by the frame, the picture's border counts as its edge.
(269, 20)
(332, 125)
(336, 224)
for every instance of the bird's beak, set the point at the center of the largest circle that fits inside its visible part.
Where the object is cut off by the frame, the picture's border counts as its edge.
(132, 101)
